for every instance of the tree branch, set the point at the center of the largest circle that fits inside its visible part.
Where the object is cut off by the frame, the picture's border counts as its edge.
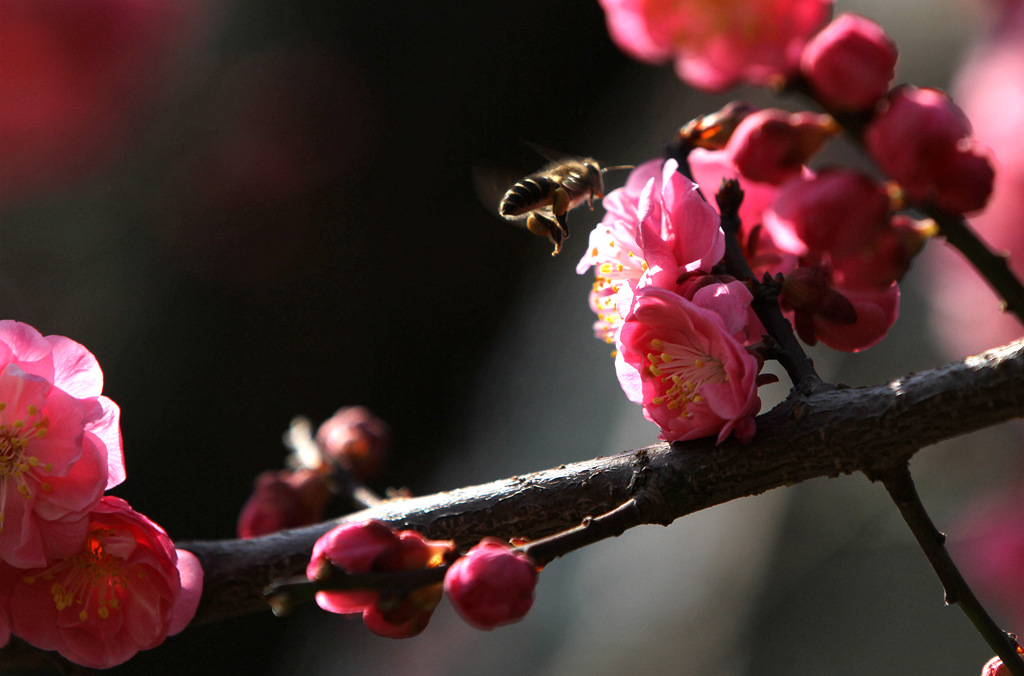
(826, 432)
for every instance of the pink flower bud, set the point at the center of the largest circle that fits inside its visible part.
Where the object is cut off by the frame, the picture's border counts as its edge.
(371, 546)
(125, 590)
(923, 140)
(772, 145)
(850, 63)
(355, 439)
(995, 667)
(492, 584)
(835, 212)
(284, 499)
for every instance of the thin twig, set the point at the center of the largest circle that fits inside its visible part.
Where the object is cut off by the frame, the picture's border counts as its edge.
(791, 354)
(993, 267)
(900, 484)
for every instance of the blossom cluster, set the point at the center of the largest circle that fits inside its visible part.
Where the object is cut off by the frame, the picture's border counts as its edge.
(831, 243)
(81, 573)
(490, 585)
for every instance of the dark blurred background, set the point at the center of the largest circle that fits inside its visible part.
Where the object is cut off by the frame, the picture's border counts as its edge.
(254, 210)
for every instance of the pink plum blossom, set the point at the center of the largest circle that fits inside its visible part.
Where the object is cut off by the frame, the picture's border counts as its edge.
(850, 63)
(835, 212)
(125, 590)
(923, 141)
(614, 251)
(370, 546)
(658, 229)
(492, 584)
(60, 444)
(679, 232)
(680, 362)
(715, 45)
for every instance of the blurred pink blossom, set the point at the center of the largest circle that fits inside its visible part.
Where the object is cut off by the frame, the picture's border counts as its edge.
(715, 45)
(125, 590)
(60, 444)
(75, 76)
(680, 362)
(492, 584)
(989, 548)
(965, 311)
(279, 131)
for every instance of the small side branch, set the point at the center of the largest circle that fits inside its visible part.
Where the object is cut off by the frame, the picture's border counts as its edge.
(900, 484)
(791, 355)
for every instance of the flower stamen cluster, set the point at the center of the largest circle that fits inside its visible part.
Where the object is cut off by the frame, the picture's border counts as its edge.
(680, 371)
(16, 467)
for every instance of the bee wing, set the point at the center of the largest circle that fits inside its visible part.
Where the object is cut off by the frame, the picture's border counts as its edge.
(551, 155)
(491, 183)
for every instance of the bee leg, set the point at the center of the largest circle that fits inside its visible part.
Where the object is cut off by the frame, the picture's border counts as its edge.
(545, 227)
(560, 201)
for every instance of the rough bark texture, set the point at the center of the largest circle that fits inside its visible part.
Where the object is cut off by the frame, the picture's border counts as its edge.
(826, 432)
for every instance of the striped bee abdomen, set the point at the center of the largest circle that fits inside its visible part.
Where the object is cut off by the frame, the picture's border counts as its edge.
(529, 194)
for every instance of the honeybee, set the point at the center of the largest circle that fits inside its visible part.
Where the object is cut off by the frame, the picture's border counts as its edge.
(545, 197)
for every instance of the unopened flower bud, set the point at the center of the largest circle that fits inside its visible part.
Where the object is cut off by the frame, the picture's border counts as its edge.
(283, 499)
(772, 145)
(492, 584)
(850, 63)
(369, 547)
(355, 439)
(923, 140)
